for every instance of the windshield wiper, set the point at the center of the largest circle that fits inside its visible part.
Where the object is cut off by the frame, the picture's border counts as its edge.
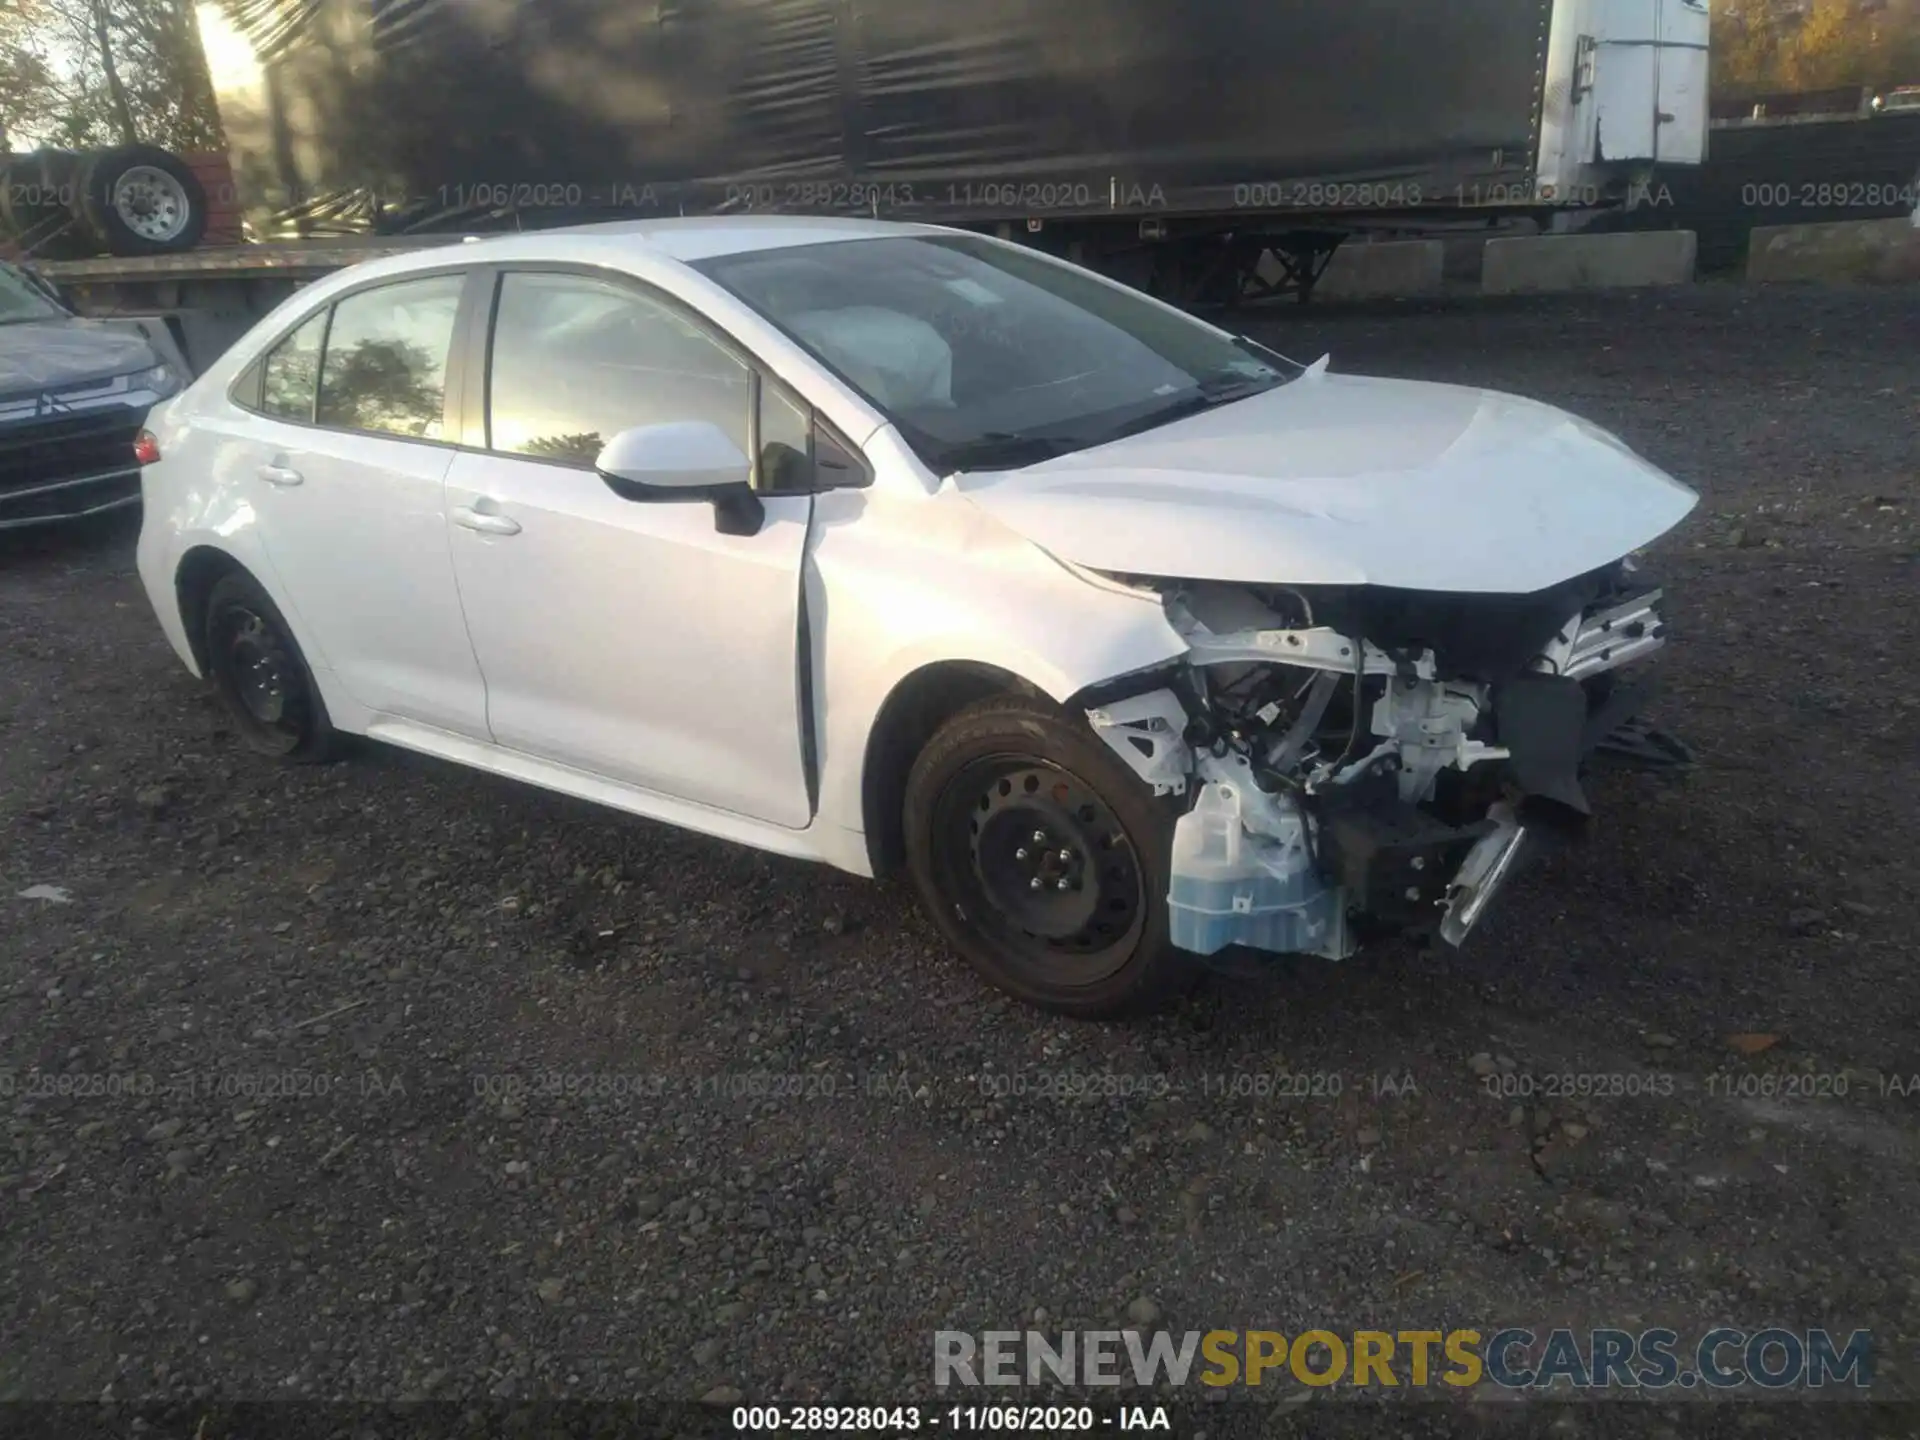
(1227, 391)
(1206, 397)
(1263, 353)
(998, 450)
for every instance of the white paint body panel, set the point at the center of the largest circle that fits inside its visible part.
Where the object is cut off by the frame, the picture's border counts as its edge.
(361, 547)
(634, 641)
(1343, 480)
(899, 580)
(629, 654)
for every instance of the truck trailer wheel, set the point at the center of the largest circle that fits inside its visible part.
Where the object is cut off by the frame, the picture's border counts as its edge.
(39, 205)
(140, 200)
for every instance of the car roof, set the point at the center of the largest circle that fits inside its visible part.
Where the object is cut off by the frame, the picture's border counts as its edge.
(702, 238)
(691, 239)
(685, 241)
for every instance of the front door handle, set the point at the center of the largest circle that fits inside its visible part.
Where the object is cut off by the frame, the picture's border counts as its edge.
(280, 475)
(486, 522)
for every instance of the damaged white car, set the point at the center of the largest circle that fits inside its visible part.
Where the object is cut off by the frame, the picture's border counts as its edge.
(889, 545)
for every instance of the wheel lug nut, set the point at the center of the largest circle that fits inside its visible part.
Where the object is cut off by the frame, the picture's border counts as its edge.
(1034, 884)
(1060, 884)
(1065, 855)
(1021, 853)
(1039, 837)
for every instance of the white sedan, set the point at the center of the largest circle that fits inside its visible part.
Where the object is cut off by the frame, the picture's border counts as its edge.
(889, 545)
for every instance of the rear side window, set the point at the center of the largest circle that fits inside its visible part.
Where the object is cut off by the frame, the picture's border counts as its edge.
(290, 374)
(576, 360)
(386, 358)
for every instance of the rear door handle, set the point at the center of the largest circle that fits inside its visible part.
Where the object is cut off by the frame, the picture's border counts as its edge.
(486, 522)
(280, 475)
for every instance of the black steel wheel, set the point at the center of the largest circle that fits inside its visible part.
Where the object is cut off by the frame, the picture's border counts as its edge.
(1044, 860)
(1045, 864)
(256, 666)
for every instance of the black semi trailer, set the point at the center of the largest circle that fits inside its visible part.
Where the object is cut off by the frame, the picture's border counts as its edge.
(1174, 141)
(1208, 150)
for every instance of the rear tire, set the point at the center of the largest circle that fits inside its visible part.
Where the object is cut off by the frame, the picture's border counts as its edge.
(259, 673)
(1044, 861)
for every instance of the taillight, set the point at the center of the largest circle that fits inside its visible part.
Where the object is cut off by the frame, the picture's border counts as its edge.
(146, 449)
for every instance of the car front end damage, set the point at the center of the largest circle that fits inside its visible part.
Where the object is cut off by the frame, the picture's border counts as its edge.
(1357, 762)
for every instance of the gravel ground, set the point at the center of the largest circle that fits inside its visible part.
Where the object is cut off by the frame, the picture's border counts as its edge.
(276, 1121)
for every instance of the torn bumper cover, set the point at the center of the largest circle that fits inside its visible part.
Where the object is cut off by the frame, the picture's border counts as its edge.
(1349, 779)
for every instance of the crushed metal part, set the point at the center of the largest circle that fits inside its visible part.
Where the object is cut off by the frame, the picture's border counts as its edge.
(1427, 726)
(1318, 649)
(1291, 746)
(1590, 644)
(1311, 822)
(1481, 874)
(1145, 731)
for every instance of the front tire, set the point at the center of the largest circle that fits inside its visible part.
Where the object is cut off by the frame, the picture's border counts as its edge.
(259, 673)
(1044, 861)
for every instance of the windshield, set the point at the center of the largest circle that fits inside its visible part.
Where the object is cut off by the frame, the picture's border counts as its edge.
(21, 299)
(988, 356)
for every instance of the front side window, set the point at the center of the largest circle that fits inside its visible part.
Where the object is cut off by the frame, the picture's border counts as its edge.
(576, 360)
(385, 367)
(985, 355)
(290, 374)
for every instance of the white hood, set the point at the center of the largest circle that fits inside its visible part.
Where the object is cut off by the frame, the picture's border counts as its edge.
(1344, 480)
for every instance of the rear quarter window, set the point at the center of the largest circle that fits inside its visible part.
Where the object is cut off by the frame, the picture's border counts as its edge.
(385, 366)
(290, 373)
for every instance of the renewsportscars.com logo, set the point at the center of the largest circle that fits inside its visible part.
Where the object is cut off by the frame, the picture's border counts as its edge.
(1720, 1359)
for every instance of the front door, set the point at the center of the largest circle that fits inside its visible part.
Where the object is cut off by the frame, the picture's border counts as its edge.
(628, 639)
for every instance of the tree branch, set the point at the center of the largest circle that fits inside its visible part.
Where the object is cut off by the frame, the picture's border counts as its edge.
(116, 91)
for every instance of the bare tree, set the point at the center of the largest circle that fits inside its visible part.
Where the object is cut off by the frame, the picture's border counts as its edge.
(121, 108)
(31, 97)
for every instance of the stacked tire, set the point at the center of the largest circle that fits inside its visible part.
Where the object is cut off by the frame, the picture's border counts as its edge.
(129, 200)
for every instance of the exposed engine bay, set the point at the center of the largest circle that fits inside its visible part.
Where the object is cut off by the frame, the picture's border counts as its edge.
(1368, 761)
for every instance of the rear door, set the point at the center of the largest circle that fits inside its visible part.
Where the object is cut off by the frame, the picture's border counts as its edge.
(348, 466)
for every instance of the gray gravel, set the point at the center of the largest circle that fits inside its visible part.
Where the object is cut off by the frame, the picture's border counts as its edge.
(308, 1014)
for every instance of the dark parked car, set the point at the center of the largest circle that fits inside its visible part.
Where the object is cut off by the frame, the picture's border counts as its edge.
(73, 396)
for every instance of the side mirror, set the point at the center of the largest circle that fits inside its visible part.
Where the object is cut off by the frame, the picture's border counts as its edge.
(683, 461)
